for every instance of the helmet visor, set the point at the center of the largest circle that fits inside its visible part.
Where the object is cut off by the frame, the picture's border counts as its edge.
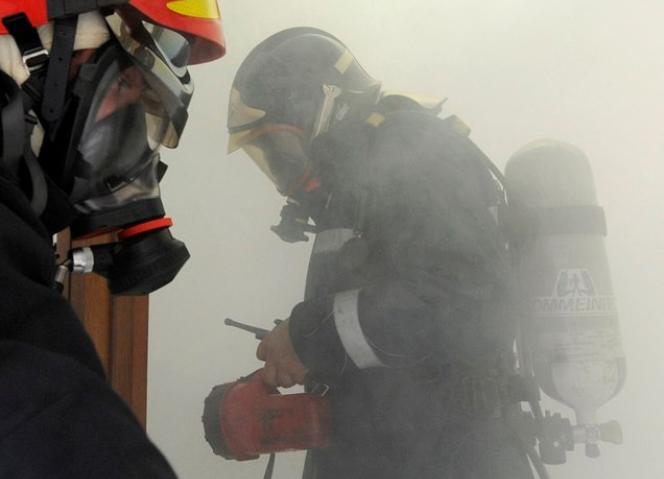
(198, 20)
(280, 155)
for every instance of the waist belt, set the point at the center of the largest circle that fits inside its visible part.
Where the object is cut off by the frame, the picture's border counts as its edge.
(484, 395)
(478, 391)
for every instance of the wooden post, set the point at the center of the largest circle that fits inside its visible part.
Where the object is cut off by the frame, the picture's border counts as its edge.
(118, 326)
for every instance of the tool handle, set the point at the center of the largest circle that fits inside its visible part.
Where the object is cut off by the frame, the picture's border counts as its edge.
(259, 333)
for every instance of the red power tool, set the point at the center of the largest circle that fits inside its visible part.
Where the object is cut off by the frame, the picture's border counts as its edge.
(246, 418)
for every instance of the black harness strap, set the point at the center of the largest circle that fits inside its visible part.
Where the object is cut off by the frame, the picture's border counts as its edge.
(35, 56)
(39, 195)
(33, 52)
(13, 124)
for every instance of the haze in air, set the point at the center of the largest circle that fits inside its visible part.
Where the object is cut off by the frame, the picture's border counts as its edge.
(589, 73)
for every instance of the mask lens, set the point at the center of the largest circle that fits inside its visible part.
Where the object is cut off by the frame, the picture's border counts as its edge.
(121, 88)
(279, 154)
(162, 56)
(125, 127)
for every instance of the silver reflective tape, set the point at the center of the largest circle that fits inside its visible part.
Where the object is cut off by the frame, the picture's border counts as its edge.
(332, 240)
(350, 332)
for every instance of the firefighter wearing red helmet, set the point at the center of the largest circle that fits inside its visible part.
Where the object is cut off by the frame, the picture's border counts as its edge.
(89, 92)
(407, 311)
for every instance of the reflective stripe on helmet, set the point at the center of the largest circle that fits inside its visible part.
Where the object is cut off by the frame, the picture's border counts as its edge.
(195, 8)
(240, 114)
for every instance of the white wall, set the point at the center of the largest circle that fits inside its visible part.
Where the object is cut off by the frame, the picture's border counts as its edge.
(587, 72)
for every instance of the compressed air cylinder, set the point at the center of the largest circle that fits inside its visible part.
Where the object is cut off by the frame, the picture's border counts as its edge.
(570, 318)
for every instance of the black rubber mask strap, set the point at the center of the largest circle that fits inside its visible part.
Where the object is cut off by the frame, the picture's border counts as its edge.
(55, 85)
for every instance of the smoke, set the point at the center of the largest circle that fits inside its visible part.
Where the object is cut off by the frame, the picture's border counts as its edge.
(588, 73)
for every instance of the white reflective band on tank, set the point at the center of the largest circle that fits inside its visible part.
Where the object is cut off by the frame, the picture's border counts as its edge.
(347, 321)
(329, 241)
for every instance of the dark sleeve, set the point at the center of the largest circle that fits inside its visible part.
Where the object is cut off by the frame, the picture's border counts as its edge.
(432, 240)
(32, 311)
(60, 420)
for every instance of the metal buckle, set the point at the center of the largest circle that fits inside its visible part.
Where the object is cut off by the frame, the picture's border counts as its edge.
(29, 61)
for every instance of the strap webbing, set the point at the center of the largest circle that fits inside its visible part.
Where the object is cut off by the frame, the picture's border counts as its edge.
(269, 469)
(13, 124)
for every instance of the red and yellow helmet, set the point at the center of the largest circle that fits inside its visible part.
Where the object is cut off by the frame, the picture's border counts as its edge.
(198, 20)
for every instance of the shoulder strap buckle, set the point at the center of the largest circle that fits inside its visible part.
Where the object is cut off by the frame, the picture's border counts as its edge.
(35, 59)
(33, 53)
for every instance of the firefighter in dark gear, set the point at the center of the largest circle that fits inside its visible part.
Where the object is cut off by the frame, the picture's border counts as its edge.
(407, 315)
(89, 90)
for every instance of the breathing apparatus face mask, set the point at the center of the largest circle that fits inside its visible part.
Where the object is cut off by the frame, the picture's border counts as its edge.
(281, 157)
(279, 152)
(103, 153)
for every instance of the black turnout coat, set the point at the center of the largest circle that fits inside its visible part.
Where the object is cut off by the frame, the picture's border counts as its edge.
(408, 293)
(59, 418)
